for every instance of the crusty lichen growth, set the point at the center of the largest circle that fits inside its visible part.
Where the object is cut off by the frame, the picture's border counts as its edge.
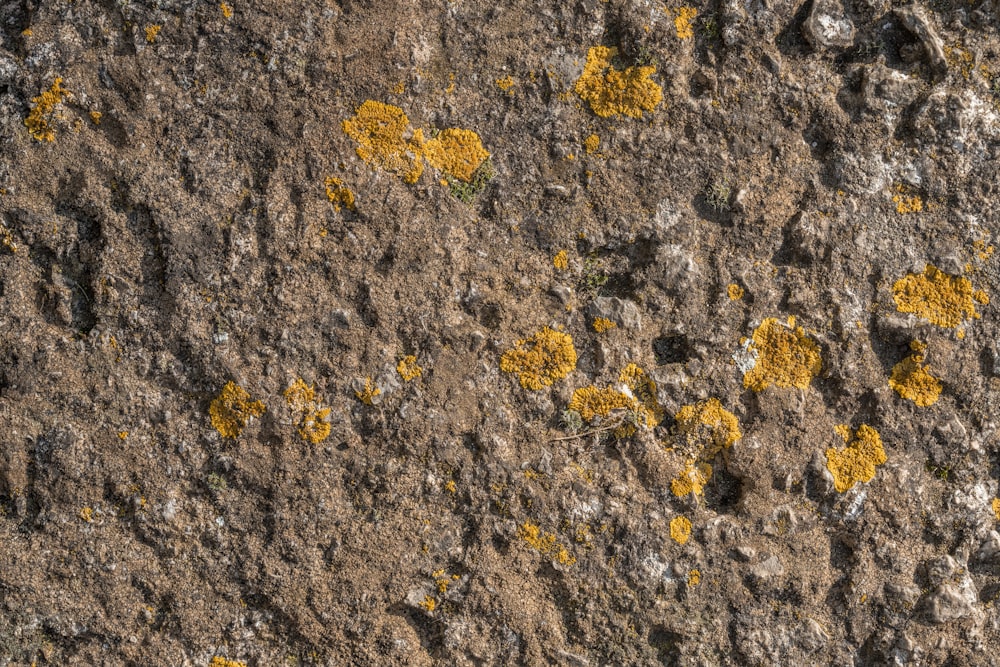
(694, 578)
(561, 260)
(692, 480)
(227, 10)
(680, 529)
(905, 202)
(735, 292)
(219, 661)
(786, 357)
(232, 409)
(506, 84)
(428, 603)
(591, 402)
(408, 368)
(545, 543)
(642, 388)
(911, 380)
(152, 32)
(857, 461)
(385, 140)
(368, 393)
(613, 92)
(996, 508)
(591, 144)
(706, 428)
(683, 22)
(43, 106)
(602, 324)
(339, 194)
(314, 424)
(539, 361)
(938, 297)
(456, 152)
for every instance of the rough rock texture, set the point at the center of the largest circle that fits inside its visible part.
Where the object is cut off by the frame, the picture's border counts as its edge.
(176, 234)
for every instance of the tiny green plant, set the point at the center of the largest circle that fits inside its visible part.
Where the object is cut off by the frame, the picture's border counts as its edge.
(594, 276)
(467, 192)
(709, 25)
(717, 194)
(571, 421)
(216, 482)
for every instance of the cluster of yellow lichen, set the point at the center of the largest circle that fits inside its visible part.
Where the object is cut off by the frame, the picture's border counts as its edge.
(591, 144)
(692, 479)
(219, 661)
(592, 402)
(227, 10)
(561, 260)
(911, 380)
(940, 298)
(602, 324)
(545, 543)
(680, 529)
(232, 409)
(368, 392)
(734, 291)
(694, 578)
(408, 368)
(152, 32)
(906, 203)
(996, 508)
(786, 357)
(506, 84)
(682, 22)
(612, 92)
(857, 461)
(539, 361)
(339, 194)
(42, 109)
(386, 141)
(314, 425)
(643, 391)
(706, 428)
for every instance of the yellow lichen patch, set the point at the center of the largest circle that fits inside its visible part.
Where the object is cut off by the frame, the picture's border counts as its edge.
(602, 324)
(367, 394)
(450, 486)
(996, 508)
(591, 144)
(227, 11)
(545, 543)
(232, 409)
(643, 390)
(940, 298)
(382, 132)
(694, 578)
(339, 194)
(408, 368)
(612, 92)
(87, 514)
(911, 380)
(735, 292)
(95, 117)
(41, 112)
(844, 431)
(683, 22)
(456, 152)
(680, 529)
(786, 357)
(219, 661)
(122, 435)
(692, 480)
(429, 603)
(905, 202)
(857, 461)
(152, 31)
(506, 84)
(314, 425)
(561, 260)
(592, 402)
(707, 428)
(539, 361)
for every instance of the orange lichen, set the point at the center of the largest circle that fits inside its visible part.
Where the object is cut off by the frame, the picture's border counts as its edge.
(694, 578)
(692, 480)
(314, 425)
(735, 292)
(940, 298)
(382, 132)
(539, 361)
(591, 144)
(905, 202)
(152, 32)
(706, 428)
(682, 22)
(786, 357)
(602, 324)
(545, 543)
(368, 393)
(408, 368)
(232, 409)
(219, 661)
(996, 508)
(227, 11)
(87, 514)
(339, 194)
(561, 260)
(643, 391)
(506, 84)
(429, 603)
(680, 529)
(911, 380)
(612, 92)
(456, 152)
(42, 109)
(592, 402)
(95, 117)
(857, 461)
